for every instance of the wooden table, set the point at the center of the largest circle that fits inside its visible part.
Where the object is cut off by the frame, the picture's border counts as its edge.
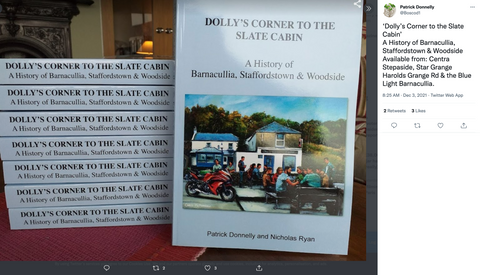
(356, 248)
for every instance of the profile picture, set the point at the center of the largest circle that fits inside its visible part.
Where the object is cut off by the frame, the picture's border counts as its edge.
(389, 10)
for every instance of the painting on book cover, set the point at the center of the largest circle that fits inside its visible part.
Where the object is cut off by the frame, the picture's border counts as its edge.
(275, 154)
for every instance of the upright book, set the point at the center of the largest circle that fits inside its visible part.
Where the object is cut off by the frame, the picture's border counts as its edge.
(265, 86)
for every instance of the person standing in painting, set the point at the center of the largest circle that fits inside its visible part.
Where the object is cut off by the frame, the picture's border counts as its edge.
(217, 166)
(241, 169)
(329, 171)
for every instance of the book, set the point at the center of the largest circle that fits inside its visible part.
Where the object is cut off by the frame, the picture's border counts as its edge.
(90, 216)
(87, 71)
(47, 195)
(276, 86)
(108, 97)
(85, 147)
(85, 123)
(76, 171)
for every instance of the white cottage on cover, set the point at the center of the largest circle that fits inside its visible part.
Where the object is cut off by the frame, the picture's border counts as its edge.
(274, 145)
(206, 147)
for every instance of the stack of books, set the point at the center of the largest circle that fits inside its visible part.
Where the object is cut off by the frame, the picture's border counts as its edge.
(87, 143)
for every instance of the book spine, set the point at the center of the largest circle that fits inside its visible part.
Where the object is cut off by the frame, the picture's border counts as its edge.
(50, 195)
(103, 147)
(16, 98)
(85, 123)
(90, 216)
(76, 171)
(85, 71)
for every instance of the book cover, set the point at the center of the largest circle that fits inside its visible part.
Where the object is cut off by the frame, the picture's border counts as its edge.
(85, 123)
(76, 171)
(90, 216)
(108, 97)
(85, 147)
(22, 196)
(271, 104)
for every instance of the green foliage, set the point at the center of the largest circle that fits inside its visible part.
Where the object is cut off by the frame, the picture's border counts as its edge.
(212, 119)
(337, 130)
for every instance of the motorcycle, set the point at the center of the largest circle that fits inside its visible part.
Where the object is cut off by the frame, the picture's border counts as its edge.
(218, 183)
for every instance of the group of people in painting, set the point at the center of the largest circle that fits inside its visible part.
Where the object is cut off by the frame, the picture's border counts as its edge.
(282, 182)
(250, 175)
(278, 181)
(283, 179)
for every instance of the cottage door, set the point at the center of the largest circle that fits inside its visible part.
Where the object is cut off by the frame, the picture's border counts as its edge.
(269, 161)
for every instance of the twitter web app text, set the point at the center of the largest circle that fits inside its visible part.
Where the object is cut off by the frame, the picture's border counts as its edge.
(428, 136)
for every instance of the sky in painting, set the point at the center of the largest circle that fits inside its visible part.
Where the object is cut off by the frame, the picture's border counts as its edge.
(298, 109)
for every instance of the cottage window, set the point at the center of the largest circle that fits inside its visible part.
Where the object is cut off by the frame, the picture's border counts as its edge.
(290, 161)
(230, 146)
(210, 158)
(280, 140)
(201, 158)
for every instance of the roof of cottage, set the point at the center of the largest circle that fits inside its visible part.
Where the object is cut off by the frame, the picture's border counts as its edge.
(276, 127)
(215, 137)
